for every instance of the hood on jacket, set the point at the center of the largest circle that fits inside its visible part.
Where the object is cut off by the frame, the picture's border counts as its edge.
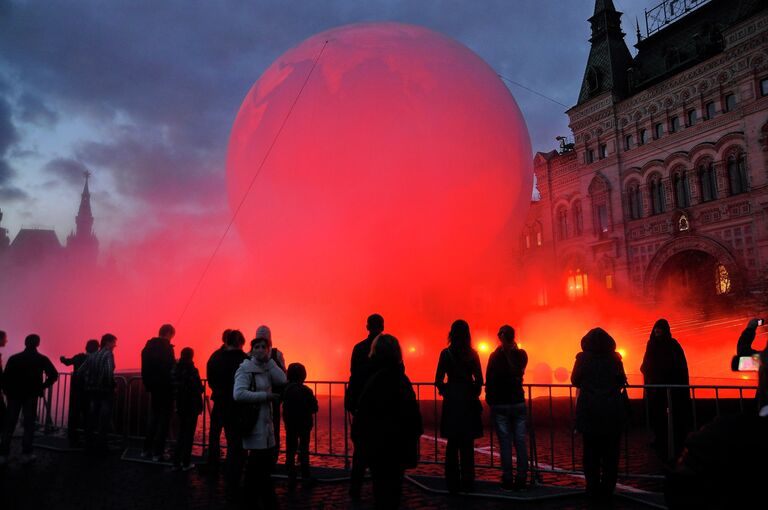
(598, 341)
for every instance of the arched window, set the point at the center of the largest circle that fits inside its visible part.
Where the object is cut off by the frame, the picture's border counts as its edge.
(722, 280)
(562, 224)
(657, 195)
(737, 173)
(577, 285)
(682, 188)
(707, 181)
(578, 224)
(635, 202)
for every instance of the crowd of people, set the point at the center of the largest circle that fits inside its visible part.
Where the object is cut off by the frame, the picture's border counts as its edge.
(251, 390)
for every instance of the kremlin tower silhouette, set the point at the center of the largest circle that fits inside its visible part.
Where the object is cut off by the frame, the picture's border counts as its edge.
(33, 247)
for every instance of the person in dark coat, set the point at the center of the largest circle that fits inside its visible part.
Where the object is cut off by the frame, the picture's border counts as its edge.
(299, 406)
(220, 370)
(23, 384)
(78, 401)
(504, 394)
(157, 360)
(747, 337)
(359, 370)
(188, 394)
(461, 417)
(723, 465)
(600, 410)
(216, 422)
(3, 342)
(664, 363)
(389, 422)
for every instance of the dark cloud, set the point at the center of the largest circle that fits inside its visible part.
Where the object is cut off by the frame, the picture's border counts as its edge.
(8, 133)
(35, 111)
(175, 73)
(8, 192)
(68, 170)
(11, 194)
(146, 167)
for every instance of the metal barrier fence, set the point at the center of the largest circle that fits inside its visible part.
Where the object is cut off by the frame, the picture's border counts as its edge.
(552, 445)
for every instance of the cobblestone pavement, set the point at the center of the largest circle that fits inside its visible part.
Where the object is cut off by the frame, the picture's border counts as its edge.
(75, 480)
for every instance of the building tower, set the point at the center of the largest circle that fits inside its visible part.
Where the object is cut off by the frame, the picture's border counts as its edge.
(4, 240)
(82, 243)
(609, 59)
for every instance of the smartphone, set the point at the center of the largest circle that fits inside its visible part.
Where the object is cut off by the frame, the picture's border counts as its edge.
(749, 363)
(760, 322)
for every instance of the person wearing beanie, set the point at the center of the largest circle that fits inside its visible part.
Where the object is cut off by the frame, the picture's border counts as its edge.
(254, 382)
(264, 333)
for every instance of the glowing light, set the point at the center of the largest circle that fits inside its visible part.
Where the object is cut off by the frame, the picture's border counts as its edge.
(622, 352)
(483, 347)
(412, 349)
(400, 141)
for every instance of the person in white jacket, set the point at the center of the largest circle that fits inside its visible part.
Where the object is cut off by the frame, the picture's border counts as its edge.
(254, 381)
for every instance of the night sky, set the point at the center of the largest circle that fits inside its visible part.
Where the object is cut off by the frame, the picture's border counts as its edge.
(143, 94)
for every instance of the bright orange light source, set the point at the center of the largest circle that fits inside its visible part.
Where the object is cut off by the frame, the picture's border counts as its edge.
(483, 347)
(623, 353)
(412, 349)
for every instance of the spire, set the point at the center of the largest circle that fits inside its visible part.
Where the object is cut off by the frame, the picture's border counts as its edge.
(82, 243)
(639, 36)
(84, 219)
(609, 57)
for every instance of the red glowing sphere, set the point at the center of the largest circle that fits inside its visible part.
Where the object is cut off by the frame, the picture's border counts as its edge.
(376, 157)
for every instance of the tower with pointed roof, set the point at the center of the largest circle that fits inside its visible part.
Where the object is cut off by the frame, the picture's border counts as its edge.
(82, 243)
(609, 58)
(4, 240)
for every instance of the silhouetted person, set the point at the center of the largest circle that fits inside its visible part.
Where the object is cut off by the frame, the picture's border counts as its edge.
(358, 375)
(664, 363)
(157, 360)
(98, 375)
(504, 394)
(261, 373)
(747, 337)
(188, 393)
(216, 420)
(461, 418)
(221, 369)
(299, 406)
(725, 463)
(3, 343)
(600, 410)
(23, 384)
(388, 422)
(78, 401)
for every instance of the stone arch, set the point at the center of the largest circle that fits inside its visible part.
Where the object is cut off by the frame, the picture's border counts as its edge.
(727, 142)
(685, 243)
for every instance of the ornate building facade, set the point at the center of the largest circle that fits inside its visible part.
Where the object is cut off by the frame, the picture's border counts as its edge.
(664, 191)
(32, 247)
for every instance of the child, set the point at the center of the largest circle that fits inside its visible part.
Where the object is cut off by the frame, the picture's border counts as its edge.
(189, 404)
(299, 404)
